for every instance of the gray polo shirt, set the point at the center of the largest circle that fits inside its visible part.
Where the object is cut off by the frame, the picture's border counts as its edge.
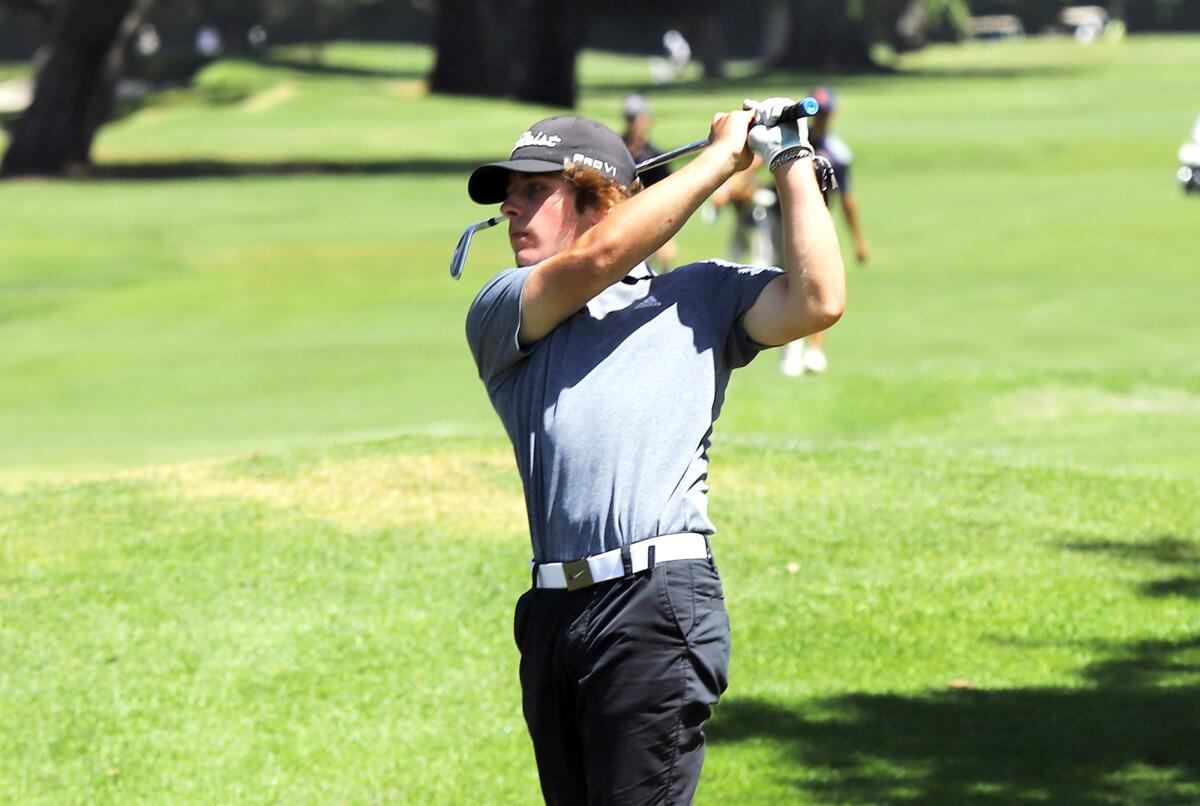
(611, 414)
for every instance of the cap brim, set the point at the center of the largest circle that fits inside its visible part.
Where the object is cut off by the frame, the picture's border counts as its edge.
(489, 183)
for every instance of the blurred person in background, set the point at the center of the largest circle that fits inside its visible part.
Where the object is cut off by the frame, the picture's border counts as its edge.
(208, 41)
(678, 57)
(757, 231)
(638, 121)
(808, 355)
(1189, 162)
(757, 234)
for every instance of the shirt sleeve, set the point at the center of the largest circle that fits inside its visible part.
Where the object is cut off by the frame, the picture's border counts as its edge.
(493, 323)
(733, 290)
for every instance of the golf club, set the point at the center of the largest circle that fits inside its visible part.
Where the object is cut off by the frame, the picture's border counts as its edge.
(464, 243)
(802, 109)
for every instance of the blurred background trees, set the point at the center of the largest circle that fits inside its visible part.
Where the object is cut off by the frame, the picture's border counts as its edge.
(76, 71)
(523, 49)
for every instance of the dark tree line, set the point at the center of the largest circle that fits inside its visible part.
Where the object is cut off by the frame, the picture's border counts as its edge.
(526, 49)
(522, 49)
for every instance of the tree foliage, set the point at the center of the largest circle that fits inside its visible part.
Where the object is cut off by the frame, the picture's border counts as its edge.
(523, 49)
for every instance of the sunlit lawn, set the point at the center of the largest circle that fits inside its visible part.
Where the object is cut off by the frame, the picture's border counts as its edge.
(261, 534)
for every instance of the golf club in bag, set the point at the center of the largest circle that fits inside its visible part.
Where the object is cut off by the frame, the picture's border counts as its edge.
(803, 109)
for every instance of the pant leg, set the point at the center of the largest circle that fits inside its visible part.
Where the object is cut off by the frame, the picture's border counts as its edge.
(541, 626)
(657, 657)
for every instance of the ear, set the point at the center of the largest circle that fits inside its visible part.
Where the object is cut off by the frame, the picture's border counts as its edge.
(593, 214)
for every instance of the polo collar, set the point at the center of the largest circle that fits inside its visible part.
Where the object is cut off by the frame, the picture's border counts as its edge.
(638, 273)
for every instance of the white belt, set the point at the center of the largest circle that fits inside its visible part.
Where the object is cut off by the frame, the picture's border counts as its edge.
(610, 565)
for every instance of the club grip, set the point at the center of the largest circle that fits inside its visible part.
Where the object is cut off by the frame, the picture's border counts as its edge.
(803, 109)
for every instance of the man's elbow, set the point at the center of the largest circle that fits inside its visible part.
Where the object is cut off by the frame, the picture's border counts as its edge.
(815, 316)
(815, 310)
(829, 310)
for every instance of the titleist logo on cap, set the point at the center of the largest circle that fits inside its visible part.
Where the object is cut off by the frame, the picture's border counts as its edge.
(539, 139)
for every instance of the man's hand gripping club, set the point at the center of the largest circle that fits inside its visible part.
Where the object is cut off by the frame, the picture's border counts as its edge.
(777, 142)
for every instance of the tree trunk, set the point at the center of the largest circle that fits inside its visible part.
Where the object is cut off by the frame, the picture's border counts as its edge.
(472, 39)
(73, 97)
(523, 49)
(547, 40)
(822, 35)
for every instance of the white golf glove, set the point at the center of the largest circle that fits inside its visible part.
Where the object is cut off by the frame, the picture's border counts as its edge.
(777, 143)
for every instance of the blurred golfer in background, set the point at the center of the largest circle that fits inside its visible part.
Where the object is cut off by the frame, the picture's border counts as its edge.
(808, 355)
(638, 121)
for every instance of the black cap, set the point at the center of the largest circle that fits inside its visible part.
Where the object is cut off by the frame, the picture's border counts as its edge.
(546, 146)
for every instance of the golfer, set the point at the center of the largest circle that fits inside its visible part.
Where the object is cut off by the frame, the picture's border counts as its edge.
(608, 380)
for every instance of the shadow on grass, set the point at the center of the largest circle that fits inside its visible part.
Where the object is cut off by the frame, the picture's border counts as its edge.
(986, 747)
(1131, 736)
(225, 169)
(1180, 555)
(996, 72)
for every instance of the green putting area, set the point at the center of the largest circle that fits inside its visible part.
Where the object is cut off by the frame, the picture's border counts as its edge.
(261, 533)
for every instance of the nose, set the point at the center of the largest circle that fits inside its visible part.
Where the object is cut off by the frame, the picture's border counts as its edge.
(509, 206)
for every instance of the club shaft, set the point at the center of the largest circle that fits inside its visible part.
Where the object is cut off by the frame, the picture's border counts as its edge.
(667, 156)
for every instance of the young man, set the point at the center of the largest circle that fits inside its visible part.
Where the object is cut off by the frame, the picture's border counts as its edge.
(608, 380)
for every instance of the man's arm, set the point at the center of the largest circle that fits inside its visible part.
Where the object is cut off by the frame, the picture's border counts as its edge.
(811, 294)
(630, 232)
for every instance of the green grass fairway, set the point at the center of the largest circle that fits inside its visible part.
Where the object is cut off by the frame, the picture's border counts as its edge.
(261, 535)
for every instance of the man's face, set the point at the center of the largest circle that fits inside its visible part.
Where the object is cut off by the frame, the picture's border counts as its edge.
(542, 220)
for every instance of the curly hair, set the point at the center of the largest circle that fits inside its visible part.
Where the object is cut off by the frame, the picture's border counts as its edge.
(592, 189)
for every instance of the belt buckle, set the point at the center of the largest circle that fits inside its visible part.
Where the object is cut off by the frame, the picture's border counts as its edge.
(578, 574)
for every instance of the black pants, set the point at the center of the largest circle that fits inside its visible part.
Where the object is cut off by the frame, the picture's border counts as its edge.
(618, 680)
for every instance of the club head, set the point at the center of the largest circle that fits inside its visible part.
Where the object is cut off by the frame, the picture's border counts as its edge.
(459, 258)
(460, 253)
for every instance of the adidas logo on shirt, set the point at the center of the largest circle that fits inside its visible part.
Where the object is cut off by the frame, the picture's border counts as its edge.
(650, 301)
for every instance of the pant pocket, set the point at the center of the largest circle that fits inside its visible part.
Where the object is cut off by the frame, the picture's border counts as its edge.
(695, 603)
(521, 618)
(691, 592)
